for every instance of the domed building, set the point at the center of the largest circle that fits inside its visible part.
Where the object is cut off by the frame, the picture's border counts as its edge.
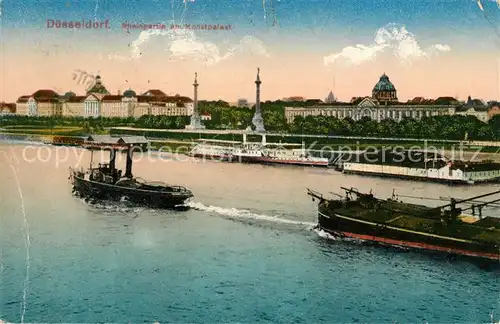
(383, 104)
(129, 93)
(384, 90)
(69, 94)
(330, 98)
(98, 87)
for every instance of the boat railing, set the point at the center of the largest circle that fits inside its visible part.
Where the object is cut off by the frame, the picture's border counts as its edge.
(178, 188)
(158, 184)
(76, 171)
(315, 194)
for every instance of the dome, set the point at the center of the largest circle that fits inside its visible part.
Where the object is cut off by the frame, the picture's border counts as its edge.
(44, 93)
(98, 87)
(69, 94)
(129, 93)
(384, 84)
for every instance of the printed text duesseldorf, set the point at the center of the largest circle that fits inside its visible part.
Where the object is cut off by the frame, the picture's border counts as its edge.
(128, 26)
(87, 24)
(90, 24)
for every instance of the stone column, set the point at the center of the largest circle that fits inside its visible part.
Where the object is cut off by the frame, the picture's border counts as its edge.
(257, 119)
(195, 117)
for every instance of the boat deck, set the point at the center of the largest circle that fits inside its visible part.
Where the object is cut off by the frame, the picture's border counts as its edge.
(486, 229)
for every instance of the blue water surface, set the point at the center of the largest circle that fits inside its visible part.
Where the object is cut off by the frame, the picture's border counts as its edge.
(224, 261)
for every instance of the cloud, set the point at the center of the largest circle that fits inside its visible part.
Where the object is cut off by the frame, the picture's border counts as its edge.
(184, 44)
(442, 48)
(392, 37)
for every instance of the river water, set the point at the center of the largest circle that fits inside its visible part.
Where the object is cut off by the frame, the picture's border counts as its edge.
(246, 252)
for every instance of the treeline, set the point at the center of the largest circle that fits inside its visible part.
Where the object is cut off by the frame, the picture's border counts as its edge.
(60, 121)
(162, 121)
(223, 116)
(454, 127)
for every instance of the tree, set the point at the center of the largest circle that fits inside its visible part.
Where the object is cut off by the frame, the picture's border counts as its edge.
(494, 124)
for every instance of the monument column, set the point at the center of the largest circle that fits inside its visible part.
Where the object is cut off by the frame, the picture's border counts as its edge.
(195, 117)
(195, 103)
(257, 119)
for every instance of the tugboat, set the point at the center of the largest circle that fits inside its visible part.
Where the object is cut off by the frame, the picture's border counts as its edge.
(105, 182)
(446, 228)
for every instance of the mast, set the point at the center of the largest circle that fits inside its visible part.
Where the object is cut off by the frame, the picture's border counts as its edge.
(112, 165)
(91, 158)
(128, 168)
(454, 202)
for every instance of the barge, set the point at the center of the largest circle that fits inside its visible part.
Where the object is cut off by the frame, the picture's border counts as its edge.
(420, 165)
(445, 229)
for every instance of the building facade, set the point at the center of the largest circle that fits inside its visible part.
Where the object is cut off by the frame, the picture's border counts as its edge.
(493, 111)
(243, 103)
(330, 98)
(99, 102)
(41, 103)
(383, 104)
(476, 108)
(384, 91)
(371, 108)
(206, 116)
(7, 108)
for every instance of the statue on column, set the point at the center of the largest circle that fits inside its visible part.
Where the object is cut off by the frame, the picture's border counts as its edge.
(195, 117)
(257, 119)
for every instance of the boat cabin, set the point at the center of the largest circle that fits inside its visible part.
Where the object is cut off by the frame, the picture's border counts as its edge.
(107, 172)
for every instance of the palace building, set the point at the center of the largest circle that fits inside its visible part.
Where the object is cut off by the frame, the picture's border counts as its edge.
(476, 108)
(99, 102)
(382, 104)
(43, 102)
(7, 108)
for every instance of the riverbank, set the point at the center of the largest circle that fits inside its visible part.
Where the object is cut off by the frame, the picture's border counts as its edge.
(181, 141)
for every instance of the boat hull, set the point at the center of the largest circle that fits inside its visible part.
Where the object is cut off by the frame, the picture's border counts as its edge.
(260, 160)
(225, 158)
(323, 164)
(218, 157)
(460, 182)
(344, 226)
(100, 191)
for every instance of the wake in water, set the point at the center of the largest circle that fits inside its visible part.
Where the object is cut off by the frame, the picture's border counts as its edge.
(122, 206)
(321, 233)
(246, 214)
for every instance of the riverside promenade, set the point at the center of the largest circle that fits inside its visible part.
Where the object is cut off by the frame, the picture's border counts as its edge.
(371, 138)
(466, 150)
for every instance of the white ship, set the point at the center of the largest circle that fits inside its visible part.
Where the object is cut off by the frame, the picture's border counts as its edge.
(248, 152)
(213, 149)
(294, 157)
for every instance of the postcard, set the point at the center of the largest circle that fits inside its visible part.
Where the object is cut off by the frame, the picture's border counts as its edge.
(244, 161)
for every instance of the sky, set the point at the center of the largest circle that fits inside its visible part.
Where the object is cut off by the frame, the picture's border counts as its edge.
(428, 48)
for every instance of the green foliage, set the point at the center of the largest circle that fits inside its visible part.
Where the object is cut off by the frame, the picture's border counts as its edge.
(494, 126)
(437, 127)
(224, 116)
(58, 121)
(162, 122)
